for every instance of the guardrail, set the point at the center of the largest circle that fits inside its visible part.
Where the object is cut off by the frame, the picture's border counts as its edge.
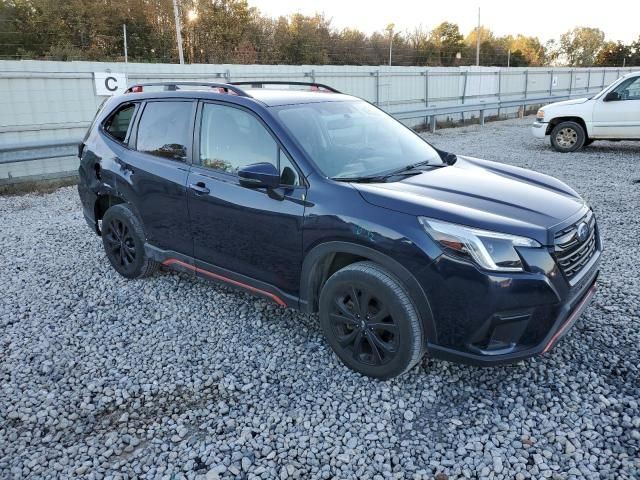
(433, 112)
(43, 150)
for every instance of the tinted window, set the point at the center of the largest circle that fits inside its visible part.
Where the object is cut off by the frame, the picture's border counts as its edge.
(118, 124)
(164, 129)
(629, 89)
(231, 138)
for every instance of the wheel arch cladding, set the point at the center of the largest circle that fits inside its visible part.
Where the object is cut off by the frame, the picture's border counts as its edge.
(325, 259)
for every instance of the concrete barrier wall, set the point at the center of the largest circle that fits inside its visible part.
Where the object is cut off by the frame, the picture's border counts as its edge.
(43, 101)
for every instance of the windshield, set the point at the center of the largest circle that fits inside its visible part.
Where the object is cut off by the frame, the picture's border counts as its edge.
(354, 139)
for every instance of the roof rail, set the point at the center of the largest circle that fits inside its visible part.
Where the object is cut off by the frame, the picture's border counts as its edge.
(138, 87)
(262, 83)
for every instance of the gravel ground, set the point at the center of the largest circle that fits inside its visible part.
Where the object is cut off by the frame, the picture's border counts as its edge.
(178, 377)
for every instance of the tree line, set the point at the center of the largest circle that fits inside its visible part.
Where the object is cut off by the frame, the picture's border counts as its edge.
(230, 31)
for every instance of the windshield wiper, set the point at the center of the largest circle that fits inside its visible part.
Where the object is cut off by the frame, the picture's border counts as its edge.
(411, 169)
(413, 166)
(372, 178)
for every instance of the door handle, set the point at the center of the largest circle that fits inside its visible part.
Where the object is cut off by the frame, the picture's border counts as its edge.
(199, 188)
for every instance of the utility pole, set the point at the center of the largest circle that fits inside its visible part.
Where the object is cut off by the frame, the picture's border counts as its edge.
(176, 13)
(478, 40)
(124, 31)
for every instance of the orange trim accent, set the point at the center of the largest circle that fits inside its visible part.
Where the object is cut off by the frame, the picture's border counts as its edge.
(275, 298)
(576, 312)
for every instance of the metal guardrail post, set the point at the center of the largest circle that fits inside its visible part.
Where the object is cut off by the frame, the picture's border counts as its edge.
(499, 72)
(426, 93)
(464, 92)
(433, 124)
(526, 89)
(376, 74)
(227, 75)
(570, 82)
(588, 80)
(604, 75)
(550, 83)
(482, 117)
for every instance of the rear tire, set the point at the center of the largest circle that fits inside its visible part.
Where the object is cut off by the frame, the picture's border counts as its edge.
(568, 137)
(123, 240)
(370, 321)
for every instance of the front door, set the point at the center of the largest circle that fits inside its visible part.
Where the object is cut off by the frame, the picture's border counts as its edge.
(246, 231)
(619, 118)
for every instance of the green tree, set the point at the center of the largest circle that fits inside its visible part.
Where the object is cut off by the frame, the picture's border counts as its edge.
(448, 41)
(580, 47)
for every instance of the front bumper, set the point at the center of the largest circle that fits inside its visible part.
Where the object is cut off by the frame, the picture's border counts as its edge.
(563, 323)
(539, 129)
(489, 319)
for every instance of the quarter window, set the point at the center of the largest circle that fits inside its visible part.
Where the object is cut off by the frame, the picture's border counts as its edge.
(288, 173)
(164, 129)
(117, 125)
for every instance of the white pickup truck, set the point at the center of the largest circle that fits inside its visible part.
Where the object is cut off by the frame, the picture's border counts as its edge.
(612, 114)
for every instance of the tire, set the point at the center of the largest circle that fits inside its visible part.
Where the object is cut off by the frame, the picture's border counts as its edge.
(123, 240)
(568, 137)
(382, 339)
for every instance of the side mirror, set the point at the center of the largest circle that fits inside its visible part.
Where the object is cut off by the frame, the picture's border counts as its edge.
(259, 175)
(612, 97)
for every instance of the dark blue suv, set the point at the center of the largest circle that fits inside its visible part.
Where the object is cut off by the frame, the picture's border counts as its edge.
(321, 201)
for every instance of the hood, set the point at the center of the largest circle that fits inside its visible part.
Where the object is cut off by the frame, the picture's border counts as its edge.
(482, 194)
(575, 101)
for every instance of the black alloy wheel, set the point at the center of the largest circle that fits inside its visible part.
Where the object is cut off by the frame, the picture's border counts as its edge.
(370, 321)
(363, 326)
(121, 247)
(123, 240)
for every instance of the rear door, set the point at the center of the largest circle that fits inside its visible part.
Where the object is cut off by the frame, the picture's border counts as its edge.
(619, 118)
(154, 172)
(252, 232)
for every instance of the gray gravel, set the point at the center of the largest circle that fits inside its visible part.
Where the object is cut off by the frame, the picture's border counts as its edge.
(176, 377)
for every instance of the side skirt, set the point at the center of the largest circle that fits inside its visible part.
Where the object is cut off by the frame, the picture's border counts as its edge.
(178, 261)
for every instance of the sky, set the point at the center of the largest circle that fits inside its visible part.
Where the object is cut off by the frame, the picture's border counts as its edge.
(546, 20)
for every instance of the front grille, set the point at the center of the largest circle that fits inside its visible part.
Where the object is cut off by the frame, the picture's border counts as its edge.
(571, 253)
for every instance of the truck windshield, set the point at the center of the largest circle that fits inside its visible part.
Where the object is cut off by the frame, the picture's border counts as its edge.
(354, 139)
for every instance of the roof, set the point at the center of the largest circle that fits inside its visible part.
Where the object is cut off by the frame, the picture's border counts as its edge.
(269, 97)
(274, 98)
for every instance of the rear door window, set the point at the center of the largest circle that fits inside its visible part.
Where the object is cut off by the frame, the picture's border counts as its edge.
(164, 130)
(117, 125)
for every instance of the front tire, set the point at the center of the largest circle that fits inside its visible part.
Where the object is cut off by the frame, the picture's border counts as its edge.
(568, 137)
(123, 241)
(370, 321)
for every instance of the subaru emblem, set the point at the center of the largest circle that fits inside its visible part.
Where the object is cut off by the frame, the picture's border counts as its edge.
(583, 231)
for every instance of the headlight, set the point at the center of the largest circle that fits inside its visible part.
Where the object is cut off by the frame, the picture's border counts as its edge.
(490, 250)
(540, 114)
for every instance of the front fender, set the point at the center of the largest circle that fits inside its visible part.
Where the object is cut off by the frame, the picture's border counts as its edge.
(313, 269)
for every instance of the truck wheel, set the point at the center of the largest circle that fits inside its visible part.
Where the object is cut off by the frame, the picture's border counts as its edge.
(370, 322)
(123, 240)
(568, 137)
